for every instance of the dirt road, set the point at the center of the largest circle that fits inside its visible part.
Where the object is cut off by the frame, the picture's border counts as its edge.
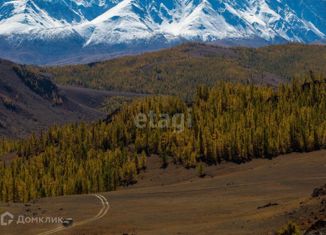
(104, 210)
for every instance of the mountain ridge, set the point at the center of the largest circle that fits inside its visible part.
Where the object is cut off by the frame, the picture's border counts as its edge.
(180, 70)
(111, 26)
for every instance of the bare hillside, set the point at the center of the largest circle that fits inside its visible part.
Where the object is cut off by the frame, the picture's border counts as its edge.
(35, 104)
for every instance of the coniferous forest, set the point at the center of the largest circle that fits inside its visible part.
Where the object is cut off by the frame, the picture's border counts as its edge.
(228, 122)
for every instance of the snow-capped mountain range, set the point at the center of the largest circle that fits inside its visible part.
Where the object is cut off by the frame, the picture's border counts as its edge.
(48, 31)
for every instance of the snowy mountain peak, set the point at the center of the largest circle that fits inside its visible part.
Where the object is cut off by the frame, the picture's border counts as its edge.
(108, 23)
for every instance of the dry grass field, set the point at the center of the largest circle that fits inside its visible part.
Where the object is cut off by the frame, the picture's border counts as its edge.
(230, 200)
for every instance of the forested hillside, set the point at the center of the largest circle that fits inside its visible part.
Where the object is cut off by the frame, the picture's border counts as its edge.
(178, 71)
(229, 122)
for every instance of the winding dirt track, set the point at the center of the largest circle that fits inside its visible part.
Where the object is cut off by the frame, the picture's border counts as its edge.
(104, 210)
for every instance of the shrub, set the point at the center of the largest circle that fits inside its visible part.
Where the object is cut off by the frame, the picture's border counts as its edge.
(289, 229)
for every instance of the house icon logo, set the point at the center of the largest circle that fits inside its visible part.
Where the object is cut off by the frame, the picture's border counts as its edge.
(6, 218)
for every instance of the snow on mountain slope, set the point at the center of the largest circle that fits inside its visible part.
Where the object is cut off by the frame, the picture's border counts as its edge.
(25, 17)
(126, 21)
(197, 17)
(53, 16)
(115, 22)
(205, 20)
(311, 10)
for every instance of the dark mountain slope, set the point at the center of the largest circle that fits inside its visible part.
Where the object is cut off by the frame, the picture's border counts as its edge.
(30, 102)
